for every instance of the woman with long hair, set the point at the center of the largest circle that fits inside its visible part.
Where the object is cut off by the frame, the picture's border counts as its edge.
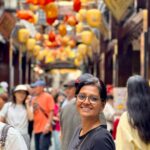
(17, 113)
(90, 101)
(133, 132)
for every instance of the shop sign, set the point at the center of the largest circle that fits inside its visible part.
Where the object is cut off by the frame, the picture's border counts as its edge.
(118, 7)
(120, 95)
(7, 23)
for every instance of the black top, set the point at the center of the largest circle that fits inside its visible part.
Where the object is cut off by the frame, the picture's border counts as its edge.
(96, 139)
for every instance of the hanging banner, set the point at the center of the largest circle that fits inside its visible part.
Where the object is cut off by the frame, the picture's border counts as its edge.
(120, 95)
(118, 7)
(7, 23)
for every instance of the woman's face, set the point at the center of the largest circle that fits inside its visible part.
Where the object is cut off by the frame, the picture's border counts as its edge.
(20, 96)
(91, 106)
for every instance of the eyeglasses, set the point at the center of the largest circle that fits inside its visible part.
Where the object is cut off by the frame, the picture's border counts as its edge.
(92, 98)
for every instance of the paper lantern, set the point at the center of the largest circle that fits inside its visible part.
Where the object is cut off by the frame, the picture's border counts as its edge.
(45, 2)
(36, 50)
(65, 40)
(62, 29)
(25, 14)
(93, 17)
(76, 5)
(81, 15)
(38, 36)
(79, 27)
(87, 37)
(82, 49)
(51, 10)
(33, 7)
(77, 62)
(23, 35)
(72, 43)
(52, 36)
(35, 2)
(71, 20)
(30, 44)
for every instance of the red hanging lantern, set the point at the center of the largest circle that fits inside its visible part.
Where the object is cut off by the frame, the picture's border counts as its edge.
(25, 14)
(51, 11)
(76, 5)
(50, 21)
(45, 2)
(35, 2)
(52, 36)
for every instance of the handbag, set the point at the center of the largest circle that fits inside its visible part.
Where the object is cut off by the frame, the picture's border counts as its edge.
(4, 136)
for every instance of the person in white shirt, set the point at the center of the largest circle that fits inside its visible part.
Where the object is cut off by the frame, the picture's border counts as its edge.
(14, 141)
(109, 112)
(16, 112)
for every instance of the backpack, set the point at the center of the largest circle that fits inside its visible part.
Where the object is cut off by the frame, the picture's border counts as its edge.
(4, 136)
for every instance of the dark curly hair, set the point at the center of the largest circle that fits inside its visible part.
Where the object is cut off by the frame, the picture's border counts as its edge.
(89, 79)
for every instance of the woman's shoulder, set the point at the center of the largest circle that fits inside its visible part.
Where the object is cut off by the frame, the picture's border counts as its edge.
(102, 138)
(124, 119)
(102, 133)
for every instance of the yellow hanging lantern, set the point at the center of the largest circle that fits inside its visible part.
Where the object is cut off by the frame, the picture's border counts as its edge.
(41, 55)
(79, 27)
(82, 48)
(62, 29)
(94, 17)
(30, 44)
(23, 35)
(33, 7)
(45, 36)
(81, 15)
(77, 62)
(49, 58)
(87, 37)
(36, 50)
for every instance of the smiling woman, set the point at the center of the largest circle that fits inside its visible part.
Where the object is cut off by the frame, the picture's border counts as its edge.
(91, 98)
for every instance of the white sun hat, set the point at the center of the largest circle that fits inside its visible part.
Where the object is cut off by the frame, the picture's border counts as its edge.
(21, 87)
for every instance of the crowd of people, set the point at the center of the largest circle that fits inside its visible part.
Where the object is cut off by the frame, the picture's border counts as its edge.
(79, 116)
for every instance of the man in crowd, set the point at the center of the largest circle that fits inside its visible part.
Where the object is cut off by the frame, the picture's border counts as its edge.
(69, 91)
(43, 106)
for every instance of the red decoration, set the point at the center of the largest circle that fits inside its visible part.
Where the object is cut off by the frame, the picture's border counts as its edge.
(76, 5)
(71, 20)
(45, 2)
(25, 14)
(50, 20)
(35, 2)
(52, 36)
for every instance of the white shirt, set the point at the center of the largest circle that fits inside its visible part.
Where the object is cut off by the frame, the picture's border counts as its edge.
(14, 140)
(15, 115)
(109, 113)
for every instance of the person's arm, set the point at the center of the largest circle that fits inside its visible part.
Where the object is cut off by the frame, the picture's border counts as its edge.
(29, 108)
(4, 112)
(15, 141)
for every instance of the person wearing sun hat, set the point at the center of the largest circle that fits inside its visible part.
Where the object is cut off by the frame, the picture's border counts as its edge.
(43, 107)
(15, 112)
